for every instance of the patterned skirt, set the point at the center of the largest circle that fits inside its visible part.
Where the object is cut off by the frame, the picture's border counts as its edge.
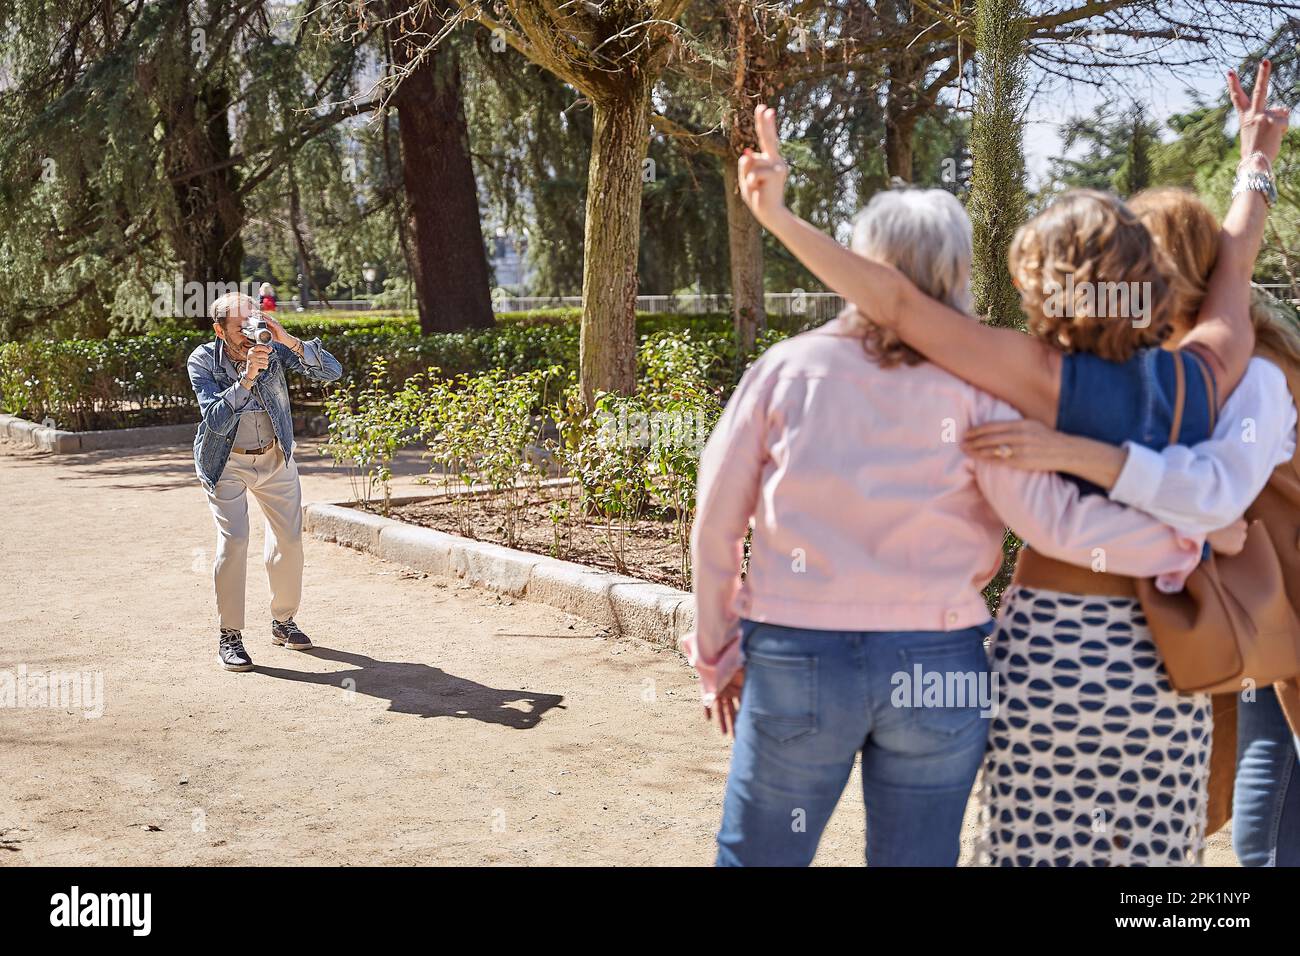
(1094, 760)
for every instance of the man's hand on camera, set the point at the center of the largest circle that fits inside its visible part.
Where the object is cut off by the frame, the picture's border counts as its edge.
(259, 356)
(280, 335)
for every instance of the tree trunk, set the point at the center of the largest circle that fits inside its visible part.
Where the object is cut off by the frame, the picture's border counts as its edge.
(900, 131)
(744, 235)
(206, 233)
(901, 115)
(997, 197)
(611, 236)
(745, 245)
(448, 261)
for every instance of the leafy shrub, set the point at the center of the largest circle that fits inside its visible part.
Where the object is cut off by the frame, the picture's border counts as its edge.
(610, 464)
(366, 431)
(136, 380)
(674, 358)
(480, 429)
(99, 383)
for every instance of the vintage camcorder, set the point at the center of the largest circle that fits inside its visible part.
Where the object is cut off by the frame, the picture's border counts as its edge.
(256, 330)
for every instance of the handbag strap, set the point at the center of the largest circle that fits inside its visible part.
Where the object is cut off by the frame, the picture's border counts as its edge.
(1180, 398)
(1180, 391)
(1211, 398)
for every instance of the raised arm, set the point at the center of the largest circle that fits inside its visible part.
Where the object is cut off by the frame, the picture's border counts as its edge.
(1015, 367)
(309, 358)
(1223, 333)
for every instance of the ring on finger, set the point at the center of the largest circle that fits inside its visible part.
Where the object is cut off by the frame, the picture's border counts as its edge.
(1003, 451)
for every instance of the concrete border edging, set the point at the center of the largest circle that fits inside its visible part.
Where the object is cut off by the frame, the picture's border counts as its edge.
(628, 606)
(60, 442)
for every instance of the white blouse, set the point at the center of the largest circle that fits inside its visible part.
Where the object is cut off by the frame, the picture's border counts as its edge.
(1207, 486)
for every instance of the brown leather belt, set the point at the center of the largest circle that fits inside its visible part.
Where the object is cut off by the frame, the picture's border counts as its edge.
(1035, 570)
(255, 451)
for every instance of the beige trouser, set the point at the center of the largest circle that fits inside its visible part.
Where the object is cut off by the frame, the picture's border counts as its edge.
(275, 486)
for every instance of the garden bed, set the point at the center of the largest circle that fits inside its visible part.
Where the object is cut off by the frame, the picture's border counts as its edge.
(627, 607)
(651, 549)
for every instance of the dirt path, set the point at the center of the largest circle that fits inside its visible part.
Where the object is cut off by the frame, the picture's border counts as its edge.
(434, 724)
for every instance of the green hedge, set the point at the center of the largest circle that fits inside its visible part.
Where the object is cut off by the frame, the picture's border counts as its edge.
(141, 380)
(319, 324)
(99, 383)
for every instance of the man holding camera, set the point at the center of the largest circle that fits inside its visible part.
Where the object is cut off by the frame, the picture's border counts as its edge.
(245, 444)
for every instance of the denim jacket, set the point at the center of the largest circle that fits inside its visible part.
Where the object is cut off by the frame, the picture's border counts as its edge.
(221, 398)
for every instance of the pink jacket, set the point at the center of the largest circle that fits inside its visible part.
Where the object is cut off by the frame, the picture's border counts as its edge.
(867, 516)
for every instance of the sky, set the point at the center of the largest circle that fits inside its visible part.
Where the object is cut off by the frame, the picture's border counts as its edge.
(1161, 93)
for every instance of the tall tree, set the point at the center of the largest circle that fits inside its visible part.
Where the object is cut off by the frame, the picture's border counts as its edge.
(612, 53)
(1107, 151)
(117, 148)
(193, 104)
(997, 197)
(919, 68)
(1135, 173)
(534, 179)
(447, 259)
(770, 50)
(751, 86)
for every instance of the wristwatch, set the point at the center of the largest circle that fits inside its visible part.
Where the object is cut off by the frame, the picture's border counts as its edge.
(1256, 181)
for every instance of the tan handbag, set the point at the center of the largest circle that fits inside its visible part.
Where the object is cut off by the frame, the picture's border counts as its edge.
(1233, 622)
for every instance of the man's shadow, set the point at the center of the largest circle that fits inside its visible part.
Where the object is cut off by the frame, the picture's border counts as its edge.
(424, 690)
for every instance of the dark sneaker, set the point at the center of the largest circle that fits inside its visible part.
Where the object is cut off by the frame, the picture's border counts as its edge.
(231, 653)
(290, 635)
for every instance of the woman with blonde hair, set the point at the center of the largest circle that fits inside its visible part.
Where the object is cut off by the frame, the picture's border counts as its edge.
(1093, 758)
(1205, 487)
(859, 626)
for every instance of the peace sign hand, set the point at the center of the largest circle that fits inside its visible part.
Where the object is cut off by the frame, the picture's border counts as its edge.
(763, 174)
(1262, 127)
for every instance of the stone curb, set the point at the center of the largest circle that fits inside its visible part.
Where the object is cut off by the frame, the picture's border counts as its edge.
(59, 442)
(629, 607)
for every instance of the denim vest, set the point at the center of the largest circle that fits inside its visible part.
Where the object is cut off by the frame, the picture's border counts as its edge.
(221, 398)
(1134, 401)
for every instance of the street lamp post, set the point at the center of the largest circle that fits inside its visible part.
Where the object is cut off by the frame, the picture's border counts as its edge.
(369, 273)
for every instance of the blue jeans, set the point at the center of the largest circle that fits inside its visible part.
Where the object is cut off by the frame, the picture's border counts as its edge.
(1266, 798)
(811, 701)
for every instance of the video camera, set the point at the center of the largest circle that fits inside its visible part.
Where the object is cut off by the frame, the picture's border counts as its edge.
(256, 329)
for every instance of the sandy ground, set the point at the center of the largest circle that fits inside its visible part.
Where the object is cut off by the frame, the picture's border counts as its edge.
(434, 723)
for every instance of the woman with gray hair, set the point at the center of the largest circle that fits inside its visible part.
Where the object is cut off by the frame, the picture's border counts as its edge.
(859, 625)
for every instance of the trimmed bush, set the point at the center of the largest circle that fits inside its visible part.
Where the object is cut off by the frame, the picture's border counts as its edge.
(100, 383)
(141, 380)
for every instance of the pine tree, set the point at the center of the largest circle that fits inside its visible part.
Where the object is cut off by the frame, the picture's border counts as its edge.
(1135, 174)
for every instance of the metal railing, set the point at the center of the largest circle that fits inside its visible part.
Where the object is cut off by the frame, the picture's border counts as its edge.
(819, 306)
(813, 305)
(351, 305)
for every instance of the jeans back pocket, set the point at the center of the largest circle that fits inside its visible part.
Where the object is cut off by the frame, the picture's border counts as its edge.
(947, 687)
(781, 693)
